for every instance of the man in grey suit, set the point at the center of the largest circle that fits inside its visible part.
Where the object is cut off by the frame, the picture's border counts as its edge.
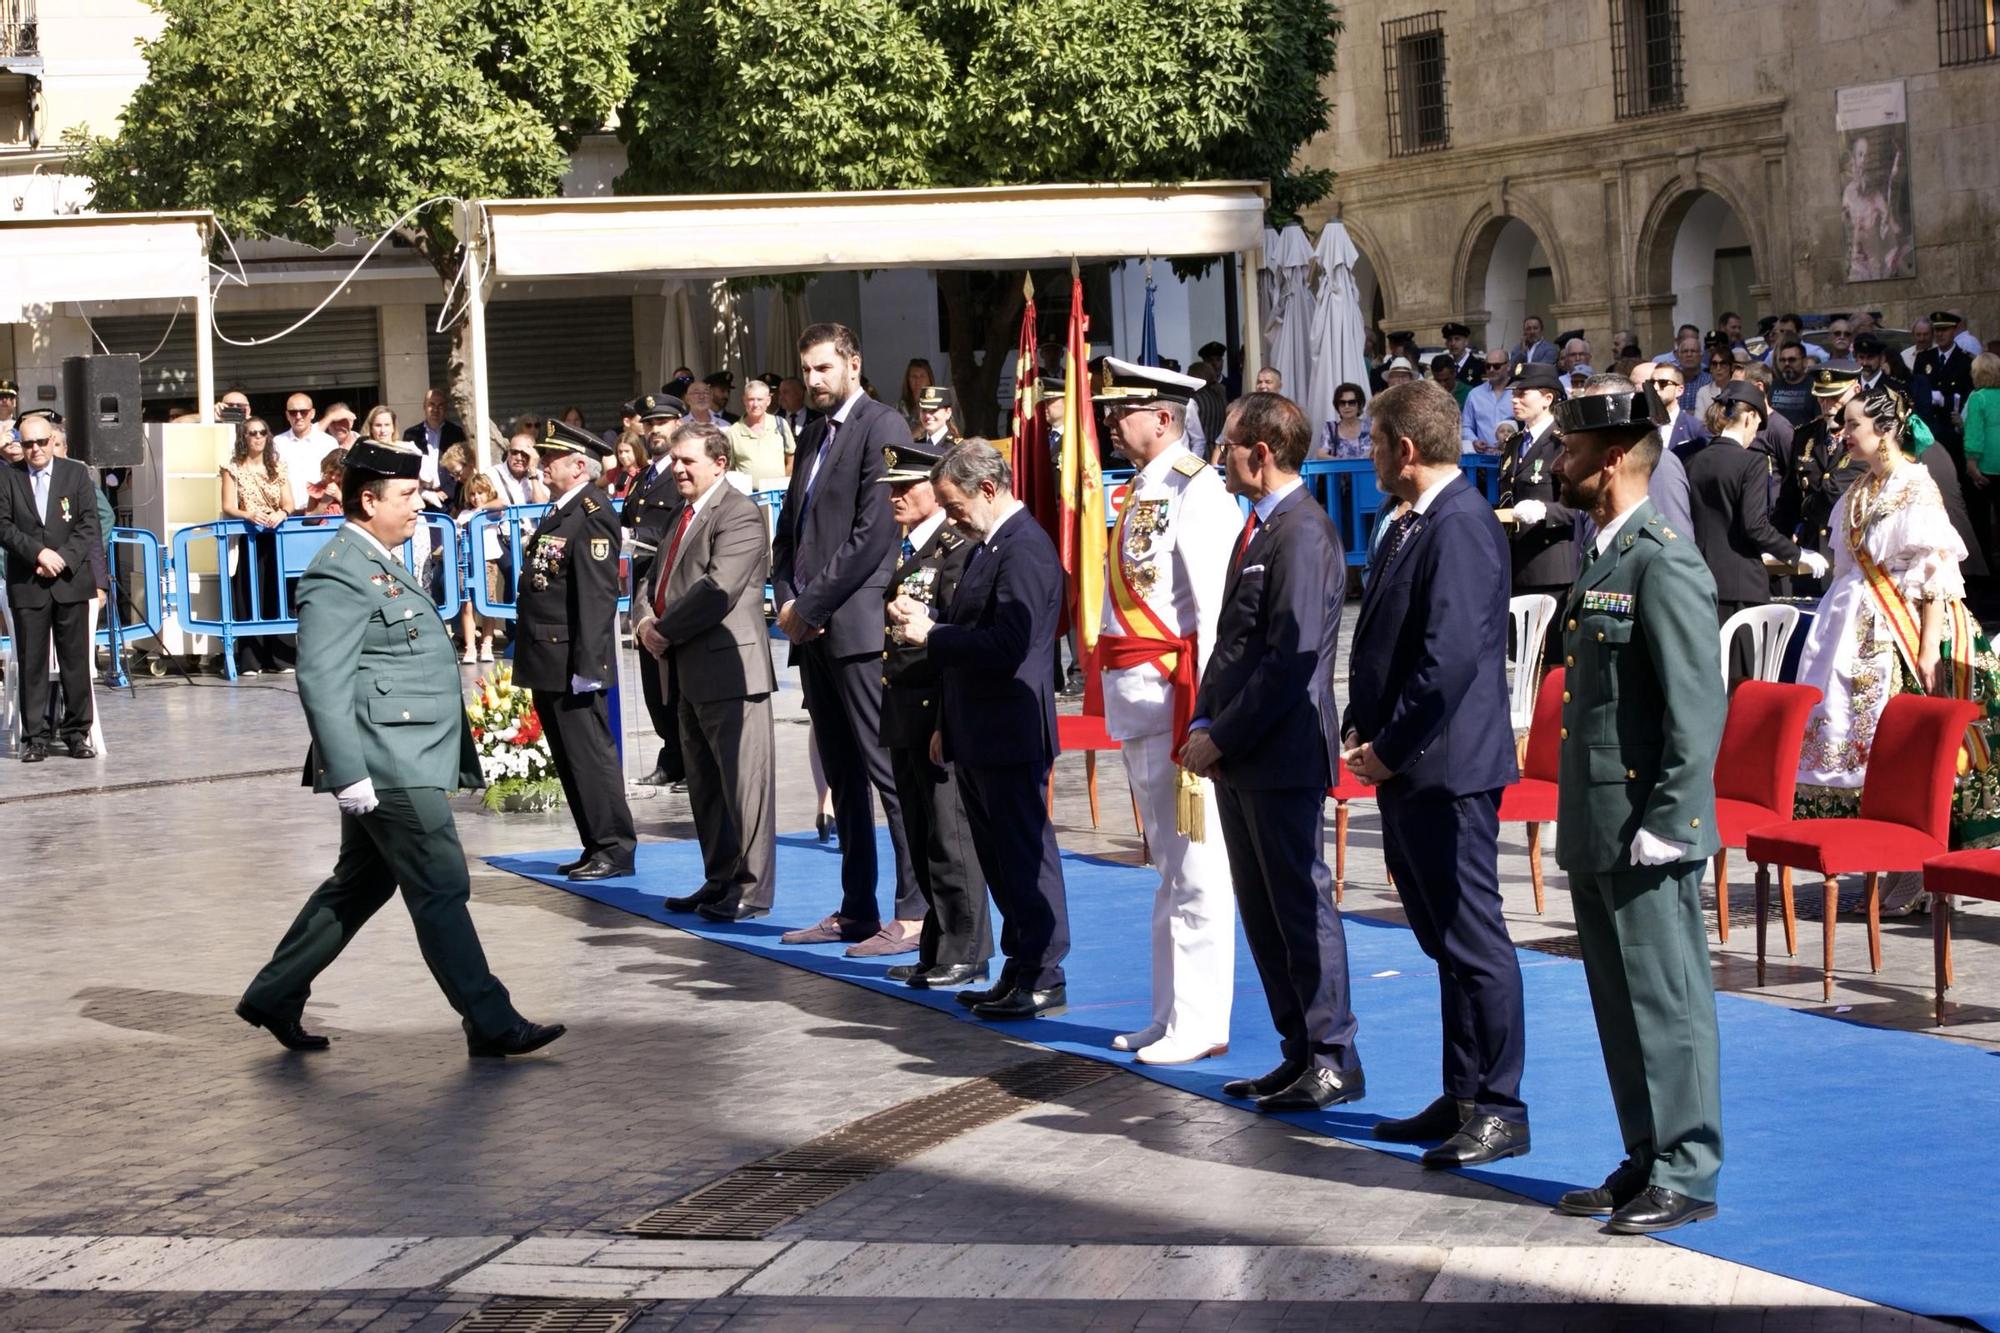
(706, 615)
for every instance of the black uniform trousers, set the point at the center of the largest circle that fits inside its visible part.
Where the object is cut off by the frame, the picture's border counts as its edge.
(1016, 844)
(70, 624)
(843, 696)
(658, 688)
(579, 730)
(407, 841)
(958, 928)
(1284, 897)
(1444, 853)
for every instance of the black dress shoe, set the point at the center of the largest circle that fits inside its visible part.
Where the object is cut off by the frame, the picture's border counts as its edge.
(600, 866)
(287, 1030)
(1482, 1139)
(1263, 1086)
(568, 866)
(947, 975)
(1024, 1003)
(1619, 1188)
(904, 971)
(823, 827)
(999, 990)
(717, 912)
(1315, 1090)
(679, 785)
(34, 752)
(1435, 1123)
(517, 1040)
(659, 777)
(694, 902)
(81, 749)
(1657, 1208)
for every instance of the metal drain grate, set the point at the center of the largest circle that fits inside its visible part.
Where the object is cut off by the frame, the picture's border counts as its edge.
(547, 1317)
(1561, 946)
(753, 1201)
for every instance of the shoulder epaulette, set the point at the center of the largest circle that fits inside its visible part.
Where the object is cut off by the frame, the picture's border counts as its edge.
(1189, 466)
(590, 506)
(948, 540)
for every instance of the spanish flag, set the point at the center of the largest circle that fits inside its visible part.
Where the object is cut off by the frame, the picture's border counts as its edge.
(1034, 470)
(1079, 483)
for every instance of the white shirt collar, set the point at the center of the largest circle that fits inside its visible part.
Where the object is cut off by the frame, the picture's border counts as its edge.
(1423, 503)
(570, 494)
(1610, 530)
(922, 532)
(373, 541)
(1264, 507)
(1001, 522)
(840, 414)
(705, 496)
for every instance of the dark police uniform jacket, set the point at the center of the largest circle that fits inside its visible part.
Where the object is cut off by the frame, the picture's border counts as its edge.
(1545, 552)
(910, 683)
(1823, 473)
(652, 508)
(568, 600)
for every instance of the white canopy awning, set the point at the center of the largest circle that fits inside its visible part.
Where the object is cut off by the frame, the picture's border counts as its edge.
(732, 235)
(110, 257)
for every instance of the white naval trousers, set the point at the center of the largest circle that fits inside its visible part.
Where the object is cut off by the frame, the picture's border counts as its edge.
(1194, 909)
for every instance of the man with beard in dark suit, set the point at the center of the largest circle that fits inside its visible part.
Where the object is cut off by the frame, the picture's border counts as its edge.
(830, 564)
(1267, 732)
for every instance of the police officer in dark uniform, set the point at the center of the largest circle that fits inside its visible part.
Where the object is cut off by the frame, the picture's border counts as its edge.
(957, 939)
(935, 406)
(652, 508)
(1542, 537)
(1823, 470)
(566, 645)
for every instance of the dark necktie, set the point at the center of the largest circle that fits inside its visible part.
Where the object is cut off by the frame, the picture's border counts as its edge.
(909, 551)
(1392, 541)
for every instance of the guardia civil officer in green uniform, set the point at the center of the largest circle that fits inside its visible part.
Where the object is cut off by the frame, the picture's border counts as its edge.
(565, 645)
(1642, 718)
(379, 683)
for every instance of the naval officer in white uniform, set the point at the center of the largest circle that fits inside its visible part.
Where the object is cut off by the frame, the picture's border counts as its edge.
(1165, 565)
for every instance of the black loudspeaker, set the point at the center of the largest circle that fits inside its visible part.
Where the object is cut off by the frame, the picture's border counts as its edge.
(101, 410)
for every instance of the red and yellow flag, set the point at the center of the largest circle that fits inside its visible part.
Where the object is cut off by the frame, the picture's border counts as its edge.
(1034, 470)
(1080, 484)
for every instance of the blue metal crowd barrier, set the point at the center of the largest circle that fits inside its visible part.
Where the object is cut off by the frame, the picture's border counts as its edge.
(298, 540)
(514, 522)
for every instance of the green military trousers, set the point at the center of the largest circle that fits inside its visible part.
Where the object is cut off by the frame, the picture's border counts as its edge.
(407, 841)
(1645, 953)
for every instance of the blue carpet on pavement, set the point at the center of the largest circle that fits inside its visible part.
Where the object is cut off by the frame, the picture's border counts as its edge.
(1856, 1158)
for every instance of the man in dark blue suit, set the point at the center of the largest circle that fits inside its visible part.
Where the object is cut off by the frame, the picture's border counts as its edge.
(997, 718)
(831, 559)
(1267, 732)
(1427, 724)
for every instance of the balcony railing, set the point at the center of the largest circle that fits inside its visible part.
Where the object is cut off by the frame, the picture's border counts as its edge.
(17, 28)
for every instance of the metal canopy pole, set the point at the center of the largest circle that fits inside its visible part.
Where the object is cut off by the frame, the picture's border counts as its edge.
(475, 314)
(1250, 263)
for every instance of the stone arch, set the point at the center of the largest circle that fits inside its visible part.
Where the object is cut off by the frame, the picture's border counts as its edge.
(1676, 278)
(1507, 238)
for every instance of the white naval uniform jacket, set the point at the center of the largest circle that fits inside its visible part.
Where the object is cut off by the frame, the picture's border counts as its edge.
(1175, 535)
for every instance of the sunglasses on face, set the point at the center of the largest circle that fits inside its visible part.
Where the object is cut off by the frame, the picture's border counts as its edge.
(1347, 402)
(298, 411)
(257, 434)
(1665, 383)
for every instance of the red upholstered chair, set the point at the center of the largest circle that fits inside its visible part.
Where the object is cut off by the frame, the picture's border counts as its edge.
(1532, 800)
(1904, 820)
(1973, 874)
(1343, 790)
(1085, 731)
(1756, 773)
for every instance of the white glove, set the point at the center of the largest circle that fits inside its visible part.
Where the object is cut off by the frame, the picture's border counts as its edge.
(1531, 512)
(584, 685)
(1937, 398)
(1814, 563)
(1648, 850)
(358, 798)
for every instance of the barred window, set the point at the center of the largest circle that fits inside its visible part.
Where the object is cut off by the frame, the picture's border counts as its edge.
(1645, 57)
(1968, 31)
(1414, 75)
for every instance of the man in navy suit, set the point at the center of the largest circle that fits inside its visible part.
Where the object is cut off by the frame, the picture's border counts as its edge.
(997, 718)
(1427, 724)
(831, 559)
(1267, 732)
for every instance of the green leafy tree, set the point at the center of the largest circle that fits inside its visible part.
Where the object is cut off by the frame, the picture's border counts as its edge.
(757, 95)
(297, 118)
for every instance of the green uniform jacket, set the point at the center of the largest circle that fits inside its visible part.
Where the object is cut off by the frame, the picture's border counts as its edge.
(1643, 703)
(377, 676)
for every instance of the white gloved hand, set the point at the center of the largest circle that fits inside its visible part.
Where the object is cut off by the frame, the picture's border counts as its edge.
(357, 798)
(1814, 563)
(584, 685)
(1648, 850)
(1531, 512)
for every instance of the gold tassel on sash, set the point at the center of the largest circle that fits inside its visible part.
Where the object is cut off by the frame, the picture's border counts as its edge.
(1190, 807)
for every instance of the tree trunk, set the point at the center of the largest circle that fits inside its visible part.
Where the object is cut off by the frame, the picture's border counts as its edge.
(447, 260)
(988, 323)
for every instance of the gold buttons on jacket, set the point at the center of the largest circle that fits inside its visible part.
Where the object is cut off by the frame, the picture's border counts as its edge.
(1600, 636)
(406, 715)
(1565, 696)
(1569, 660)
(1565, 733)
(1631, 773)
(1694, 823)
(1572, 624)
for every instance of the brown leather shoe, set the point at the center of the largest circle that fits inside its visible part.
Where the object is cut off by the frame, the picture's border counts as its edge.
(834, 928)
(894, 937)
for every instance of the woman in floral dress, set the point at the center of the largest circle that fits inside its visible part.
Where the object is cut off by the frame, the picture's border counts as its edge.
(1892, 621)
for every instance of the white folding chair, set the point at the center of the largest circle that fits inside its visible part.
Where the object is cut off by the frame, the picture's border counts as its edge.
(1531, 615)
(1772, 628)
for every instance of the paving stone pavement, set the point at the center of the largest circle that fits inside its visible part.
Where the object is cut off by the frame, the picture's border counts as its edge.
(137, 1106)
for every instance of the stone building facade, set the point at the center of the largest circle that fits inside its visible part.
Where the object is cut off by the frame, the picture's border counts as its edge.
(1637, 164)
